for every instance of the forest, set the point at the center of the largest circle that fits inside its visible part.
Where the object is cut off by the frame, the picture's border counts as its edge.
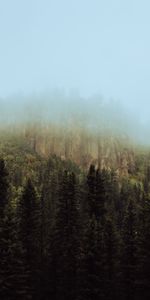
(74, 150)
(72, 229)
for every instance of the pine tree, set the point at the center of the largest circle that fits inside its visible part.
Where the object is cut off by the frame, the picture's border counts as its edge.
(48, 202)
(12, 268)
(28, 213)
(111, 261)
(4, 230)
(12, 278)
(93, 260)
(64, 242)
(143, 253)
(129, 251)
(4, 188)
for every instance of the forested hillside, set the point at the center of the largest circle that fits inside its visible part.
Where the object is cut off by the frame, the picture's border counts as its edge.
(71, 229)
(74, 150)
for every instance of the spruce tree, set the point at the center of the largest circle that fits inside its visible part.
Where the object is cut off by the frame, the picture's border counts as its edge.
(28, 213)
(12, 275)
(4, 230)
(93, 260)
(111, 259)
(129, 251)
(4, 188)
(64, 242)
(143, 253)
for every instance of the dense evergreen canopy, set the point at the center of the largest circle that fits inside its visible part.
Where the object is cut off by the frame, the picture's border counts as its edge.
(70, 234)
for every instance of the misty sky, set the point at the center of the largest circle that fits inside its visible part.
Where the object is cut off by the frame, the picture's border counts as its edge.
(90, 46)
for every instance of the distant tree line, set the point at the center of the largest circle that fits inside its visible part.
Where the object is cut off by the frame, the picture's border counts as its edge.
(74, 236)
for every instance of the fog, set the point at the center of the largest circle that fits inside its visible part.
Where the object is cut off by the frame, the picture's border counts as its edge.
(76, 60)
(95, 114)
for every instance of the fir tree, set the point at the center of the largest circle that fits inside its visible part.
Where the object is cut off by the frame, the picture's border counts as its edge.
(143, 252)
(111, 259)
(28, 212)
(129, 251)
(12, 275)
(64, 242)
(93, 260)
(4, 188)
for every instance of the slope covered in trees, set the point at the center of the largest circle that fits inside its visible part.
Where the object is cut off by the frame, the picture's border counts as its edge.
(69, 230)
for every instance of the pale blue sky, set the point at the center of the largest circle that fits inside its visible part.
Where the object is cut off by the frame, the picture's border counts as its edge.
(93, 46)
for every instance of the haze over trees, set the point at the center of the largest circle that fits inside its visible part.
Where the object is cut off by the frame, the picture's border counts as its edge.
(74, 210)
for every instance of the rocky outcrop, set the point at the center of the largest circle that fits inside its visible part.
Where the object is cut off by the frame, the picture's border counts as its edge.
(83, 147)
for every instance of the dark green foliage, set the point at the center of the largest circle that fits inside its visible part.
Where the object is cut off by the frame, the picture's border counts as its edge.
(92, 256)
(111, 260)
(28, 215)
(143, 252)
(4, 186)
(65, 234)
(13, 273)
(12, 277)
(64, 242)
(129, 251)
(28, 220)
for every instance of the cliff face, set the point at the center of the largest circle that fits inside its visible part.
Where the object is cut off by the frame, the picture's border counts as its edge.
(83, 147)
